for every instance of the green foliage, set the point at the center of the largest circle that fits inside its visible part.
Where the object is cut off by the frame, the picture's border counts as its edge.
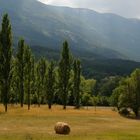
(41, 68)
(28, 74)
(20, 68)
(102, 68)
(88, 85)
(108, 84)
(114, 99)
(95, 100)
(6, 57)
(103, 100)
(64, 74)
(124, 111)
(128, 93)
(15, 86)
(86, 99)
(77, 81)
(50, 84)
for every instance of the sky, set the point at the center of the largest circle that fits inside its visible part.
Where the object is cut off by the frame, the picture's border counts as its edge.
(125, 8)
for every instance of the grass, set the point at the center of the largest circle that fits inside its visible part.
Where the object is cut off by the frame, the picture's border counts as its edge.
(38, 124)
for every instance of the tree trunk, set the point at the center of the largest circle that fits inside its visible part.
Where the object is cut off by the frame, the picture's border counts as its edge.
(22, 96)
(6, 95)
(22, 90)
(77, 107)
(28, 106)
(5, 107)
(38, 100)
(64, 107)
(136, 111)
(64, 98)
(29, 97)
(49, 106)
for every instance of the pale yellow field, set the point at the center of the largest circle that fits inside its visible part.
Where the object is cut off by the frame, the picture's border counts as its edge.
(38, 124)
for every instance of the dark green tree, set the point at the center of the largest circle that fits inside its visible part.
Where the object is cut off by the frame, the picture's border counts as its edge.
(14, 88)
(1, 59)
(33, 85)
(114, 98)
(50, 84)
(28, 74)
(40, 78)
(130, 97)
(86, 98)
(64, 74)
(95, 101)
(127, 95)
(21, 68)
(135, 77)
(108, 84)
(6, 57)
(77, 80)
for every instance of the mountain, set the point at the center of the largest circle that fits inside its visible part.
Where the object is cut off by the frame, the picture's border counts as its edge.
(101, 41)
(98, 68)
(106, 35)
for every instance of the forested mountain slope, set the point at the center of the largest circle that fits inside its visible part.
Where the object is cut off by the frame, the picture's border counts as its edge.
(106, 35)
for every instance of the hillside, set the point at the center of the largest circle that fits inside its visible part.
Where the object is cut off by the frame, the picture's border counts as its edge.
(101, 41)
(106, 35)
(97, 68)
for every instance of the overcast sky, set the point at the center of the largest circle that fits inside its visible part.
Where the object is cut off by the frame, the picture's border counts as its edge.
(126, 8)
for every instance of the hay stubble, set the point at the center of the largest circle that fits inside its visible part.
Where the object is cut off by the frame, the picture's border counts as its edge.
(38, 124)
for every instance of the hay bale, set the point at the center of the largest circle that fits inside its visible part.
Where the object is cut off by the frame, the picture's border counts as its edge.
(62, 128)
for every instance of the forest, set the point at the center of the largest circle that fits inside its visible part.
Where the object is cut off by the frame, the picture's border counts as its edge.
(27, 79)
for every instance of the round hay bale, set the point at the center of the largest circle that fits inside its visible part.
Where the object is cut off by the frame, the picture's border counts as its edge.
(62, 128)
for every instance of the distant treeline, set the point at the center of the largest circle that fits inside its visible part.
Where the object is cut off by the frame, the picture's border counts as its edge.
(93, 66)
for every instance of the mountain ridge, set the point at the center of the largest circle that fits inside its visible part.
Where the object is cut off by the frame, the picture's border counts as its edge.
(105, 34)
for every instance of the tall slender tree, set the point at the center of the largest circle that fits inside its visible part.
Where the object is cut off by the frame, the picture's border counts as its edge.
(64, 74)
(1, 59)
(14, 88)
(40, 77)
(76, 86)
(6, 57)
(33, 88)
(20, 68)
(50, 84)
(28, 74)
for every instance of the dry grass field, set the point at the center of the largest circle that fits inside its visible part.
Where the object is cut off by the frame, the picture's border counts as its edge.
(38, 124)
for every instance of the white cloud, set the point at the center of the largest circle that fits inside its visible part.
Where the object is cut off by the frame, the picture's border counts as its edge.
(126, 8)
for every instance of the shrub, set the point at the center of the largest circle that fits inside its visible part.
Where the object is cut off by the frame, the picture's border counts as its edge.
(124, 111)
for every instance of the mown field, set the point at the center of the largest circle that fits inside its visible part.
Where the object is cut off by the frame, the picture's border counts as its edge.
(38, 124)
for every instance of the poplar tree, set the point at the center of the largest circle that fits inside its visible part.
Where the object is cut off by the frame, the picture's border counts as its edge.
(28, 74)
(14, 88)
(64, 74)
(40, 78)
(21, 68)
(76, 86)
(1, 58)
(33, 88)
(50, 84)
(5, 58)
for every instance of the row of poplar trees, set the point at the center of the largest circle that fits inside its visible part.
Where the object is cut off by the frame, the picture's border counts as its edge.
(23, 78)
